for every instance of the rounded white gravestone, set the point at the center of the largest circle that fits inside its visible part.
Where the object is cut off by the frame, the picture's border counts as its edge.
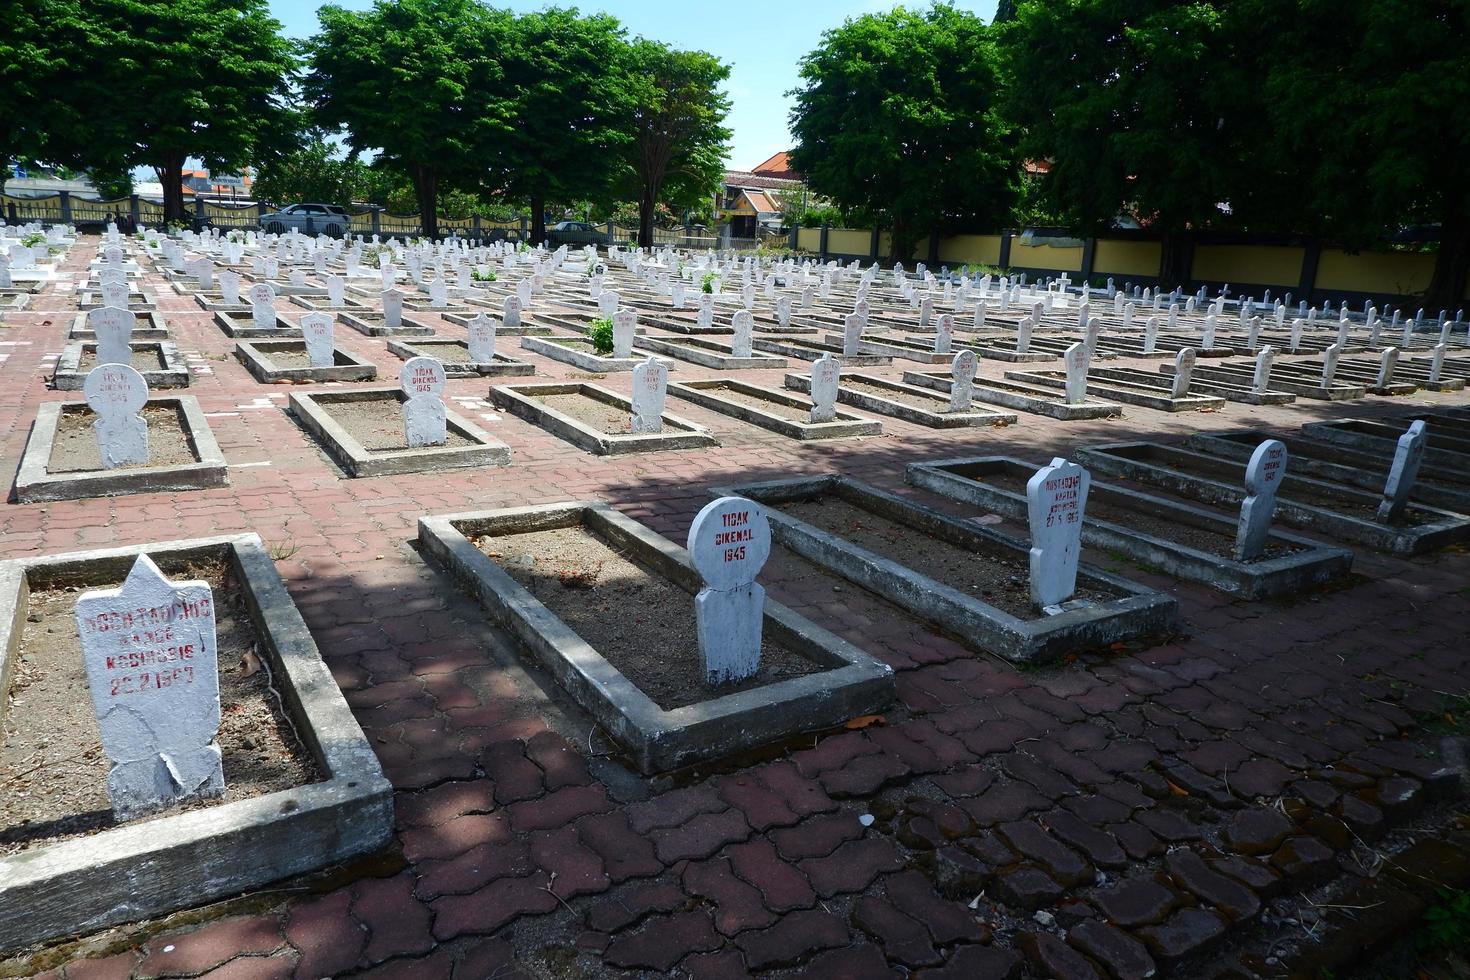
(1056, 498)
(481, 339)
(729, 542)
(316, 329)
(962, 381)
(1263, 474)
(116, 392)
(114, 331)
(421, 376)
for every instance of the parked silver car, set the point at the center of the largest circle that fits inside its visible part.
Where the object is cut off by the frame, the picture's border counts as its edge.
(309, 219)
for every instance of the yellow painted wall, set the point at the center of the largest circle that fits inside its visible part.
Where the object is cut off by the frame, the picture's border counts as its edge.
(885, 244)
(1375, 272)
(848, 241)
(1045, 257)
(968, 249)
(1119, 258)
(1255, 265)
(809, 239)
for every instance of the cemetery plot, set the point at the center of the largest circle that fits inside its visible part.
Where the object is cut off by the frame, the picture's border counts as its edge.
(608, 607)
(1036, 399)
(158, 362)
(325, 304)
(707, 353)
(530, 324)
(1229, 391)
(894, 345)
(456, 358)
(810, 350)
(687, 321)
(966, 580)
(1357, 372)
(376, 324)
(137, 300)
(790, 415)
(579, 352)
(1291, 382)
(1437, 486)
(1002, 349)
(1315, 505)
(216, 302)
(150, 326)
(1123, 391)
(366, 434)
(281, 361)
(903, 401)
(244, 325)
(1444, 448)
(302, 788)
(595, 419)
(1184, 541)
(62, 459)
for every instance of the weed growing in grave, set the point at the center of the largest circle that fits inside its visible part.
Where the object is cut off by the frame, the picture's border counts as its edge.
(33, 239)
(284, 550)
(602, 335)
(487, 276)
(1447, 923)
(708, 285)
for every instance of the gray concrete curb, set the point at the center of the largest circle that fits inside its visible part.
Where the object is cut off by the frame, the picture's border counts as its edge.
(256, 356)
(174, 373)
(312, 411)
(519, 401)
(502, 366)
(844, 426)
(937, 418)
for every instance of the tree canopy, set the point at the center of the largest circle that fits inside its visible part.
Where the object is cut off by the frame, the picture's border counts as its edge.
(898, 119)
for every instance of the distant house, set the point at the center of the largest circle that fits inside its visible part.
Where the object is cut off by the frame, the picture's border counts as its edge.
(778, 166)
(753, 199)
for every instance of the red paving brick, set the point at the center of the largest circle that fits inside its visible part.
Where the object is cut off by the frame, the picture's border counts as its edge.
(1259, 727)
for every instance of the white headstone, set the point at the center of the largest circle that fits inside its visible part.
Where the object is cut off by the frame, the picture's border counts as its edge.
(149, 649)
(1436, 363)
(1075, 360)
(728, 543)
(262, 298)
(114, 330)
(741, 342)
(650, 388)
(826, 370)
(1207, 342)
(523, 292)
(5, 282)
(962, 381)
(1263, 474)
(1261, 381)
(1407, 456)
(510, 312)
(1056, 497)
(1183, 372)
(607, 303)
(1329, 364)
(316, 329)
(625, 322)
(424, 422)
(392, 308)
(482, 339)
(1387, 363)
(676, 292)
(336, 290)
(296, 277)
(229, 287)
(944, 333)
(116, 393)
(783, 311)
(1150, 334)
(852, 333)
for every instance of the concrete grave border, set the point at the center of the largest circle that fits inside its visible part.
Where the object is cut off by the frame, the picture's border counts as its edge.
(237, 324)
(844, 426)
(812, 350)
(518, 401)
(1380, 436)
(156, 328)
(879, 344)
(357, 461)
(33, 483)
(139, 301)
(501, 330)
(1141, 613)
(256, 356)
(369, 322)
(502, 367)
(323, 304)
(174, 374)
(188, 859)
(657, 739)
(1018, 395)
(1316, 564)
(1122, 391)
(548, 347)
(899, 410)
(706, 353)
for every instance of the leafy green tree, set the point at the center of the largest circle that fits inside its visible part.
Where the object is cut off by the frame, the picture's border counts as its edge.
(33, 56)
(1137, 105)
(314, 170)
(154, 82)
(897, 119)
(414, 80)
(1366, 126)
(563, 77)
(676, 152)
(112, 183)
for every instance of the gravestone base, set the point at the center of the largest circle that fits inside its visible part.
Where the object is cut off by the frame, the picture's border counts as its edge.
(215, 301)
(852, 683)
(707, 353)
(375, 325)
(324, 304)
(523, 329)
(191, 858)
(808, 350)
(525, 402)
(706, 394)
(35, 483)
(150, 326)
(503, 365)
(314, 412)
(587, 359)
(138, 302)
(241, 326)
(256, 356)
(172, 372)
(936, 417)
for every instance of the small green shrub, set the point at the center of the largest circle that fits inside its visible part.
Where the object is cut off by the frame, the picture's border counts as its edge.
(602, 335)
(33, 239)
(487, 276)
(709, 282)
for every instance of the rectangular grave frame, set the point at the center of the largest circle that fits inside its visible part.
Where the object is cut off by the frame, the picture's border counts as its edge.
(324, 304)
(1316, 564)
(174, 374)
(1398, 540)
(139, 300)
(1229, 390)
(370, 323)
(184, 860)
(256, 356)
(596, 363)
(156, 329)
(358, 461)
(239, 324)
(523, 330)
(689, 349)
(34, 484)
(844, 426)
(879, 344)
(1018, 395)
(1348, 432)
(811, 350)
(503, 366)
(519, 401)
(1280, 381)
(657, 739)
(1121, 391)
(1143, 612)
(868, 402)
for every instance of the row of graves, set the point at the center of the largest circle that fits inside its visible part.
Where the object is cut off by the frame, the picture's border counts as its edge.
(985, 548)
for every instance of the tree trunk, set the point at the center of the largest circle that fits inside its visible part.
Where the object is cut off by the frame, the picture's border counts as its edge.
(645, 219)
(426, 191)
(1176, 256)
(538, 218)
(900, 246)
(1452, 264)
(171, 176)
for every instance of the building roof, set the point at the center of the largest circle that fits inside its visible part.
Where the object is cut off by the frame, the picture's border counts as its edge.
(761, 202)
(744, 178)
(778, 165)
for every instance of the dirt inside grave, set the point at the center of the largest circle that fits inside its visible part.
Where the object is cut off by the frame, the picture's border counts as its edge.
(609, 419)
(791, 413)
(1211, 542)
(642, 623)
(940, 405)
(75, 447)
(53, 771)
(445, 351)
(998, 577)
(377, 424)
(144, 359)
(288, 357)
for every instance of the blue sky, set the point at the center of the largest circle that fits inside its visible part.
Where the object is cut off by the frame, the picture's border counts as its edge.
(762, 41)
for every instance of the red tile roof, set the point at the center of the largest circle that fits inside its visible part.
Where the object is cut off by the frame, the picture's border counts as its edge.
(778, 166)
